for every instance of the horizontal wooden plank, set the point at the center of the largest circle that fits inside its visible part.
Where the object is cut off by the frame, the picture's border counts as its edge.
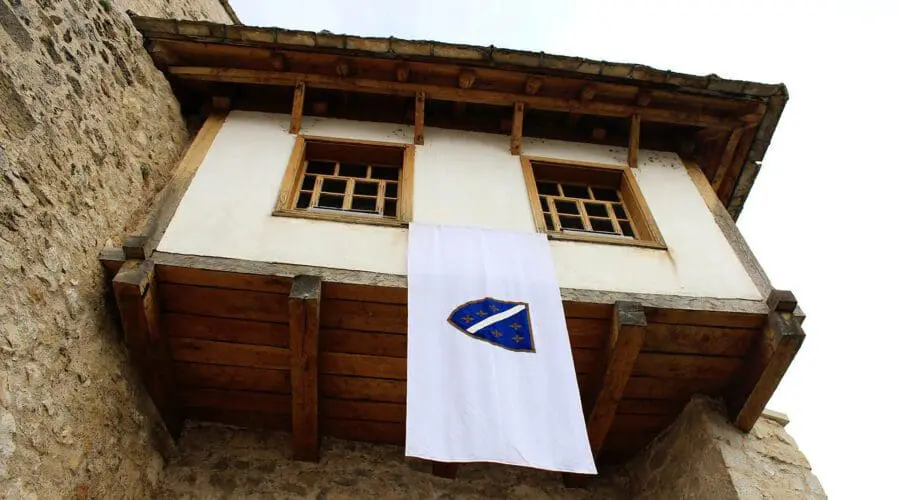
(225, 329)
(358, 342)
(691, 339)
(231, 377)
(260, 402)
(685, 366)
(587, 310)
(666, 388)
(361, 388)
(362, 410)
(223, 302)
(364, 430)
(247, 419)
(365, 316)
(227, 353)
(361, 365)
(650, 406)
(585, 360)
(705, 318)
(222, 279)
(588, 333)
(364, 293)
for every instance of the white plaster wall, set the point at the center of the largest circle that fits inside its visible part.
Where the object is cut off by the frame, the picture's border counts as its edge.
(461, 178)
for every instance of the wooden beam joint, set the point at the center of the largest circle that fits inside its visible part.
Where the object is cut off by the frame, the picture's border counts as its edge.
(303, 306)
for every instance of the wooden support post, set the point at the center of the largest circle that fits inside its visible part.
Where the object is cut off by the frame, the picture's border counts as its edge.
(420, 118)
(515, 137)
(634, 140)
(767, 362)
(446, 470)
(304, 330)
(297, 110)
(135, 289)
(137, 247)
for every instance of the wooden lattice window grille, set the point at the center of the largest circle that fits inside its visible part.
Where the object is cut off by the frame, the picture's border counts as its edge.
(589, 202)
(352, 181)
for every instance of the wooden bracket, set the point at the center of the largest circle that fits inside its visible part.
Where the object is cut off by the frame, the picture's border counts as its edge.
(420, 118)
(767, 362)
(634, 140)
(515, 137)
(135, 290)
(446, 470)
(297, 109)
(303, 306)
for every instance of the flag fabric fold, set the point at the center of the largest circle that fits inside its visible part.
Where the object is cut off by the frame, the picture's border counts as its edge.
(490, 376)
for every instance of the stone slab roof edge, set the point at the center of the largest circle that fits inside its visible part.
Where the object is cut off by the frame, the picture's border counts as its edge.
(774, 95)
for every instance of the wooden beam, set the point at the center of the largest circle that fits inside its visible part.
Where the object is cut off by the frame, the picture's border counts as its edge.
(304, 364)
(726, 158)
(277, 59)
(342, 68)
(585, 106)
(446, 470)
(135, 290)
(643, 98)
(778, 344)
(628, 328)
(515, 137)
(297, 109)
(466, 79)
(420, 118)
(634, 140)
(402, 72)
(587, 93)
(533, 85)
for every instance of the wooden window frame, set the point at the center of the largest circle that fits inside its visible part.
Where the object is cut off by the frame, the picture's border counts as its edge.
(286, 204)
(647, 233)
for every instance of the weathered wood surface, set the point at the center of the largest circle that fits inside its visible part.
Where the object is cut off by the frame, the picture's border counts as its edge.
(305, 299)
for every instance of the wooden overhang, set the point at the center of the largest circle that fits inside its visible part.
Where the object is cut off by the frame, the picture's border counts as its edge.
(723, 125)
(322, 352)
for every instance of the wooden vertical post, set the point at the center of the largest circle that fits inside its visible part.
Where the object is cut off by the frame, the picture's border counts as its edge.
(420, 118)
(768, 361)
(634, 140)
(303, 305)
(515, 138)
(297, 109)
(135, 289)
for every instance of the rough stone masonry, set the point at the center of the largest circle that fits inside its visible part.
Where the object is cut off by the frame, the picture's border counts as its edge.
(89, 130)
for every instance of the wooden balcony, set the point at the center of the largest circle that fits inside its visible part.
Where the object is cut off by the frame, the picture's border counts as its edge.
(324, 354)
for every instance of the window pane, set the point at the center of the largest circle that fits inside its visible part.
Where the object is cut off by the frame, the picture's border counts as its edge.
(603, 225)
(309, 181)
(303, 201)
(620, 211)
(568, 222)
(390, 208)
(353, 170)
(366, 188)
(320, 167)
(605, 194)
(626, 229)
(573, 191)
(547, 188)
(386, 173)
(330, 201)
(596, 209)
(566, 207)
(390, 189)
(548, 220)
(545, 207)
(334, 185)
(363, 204)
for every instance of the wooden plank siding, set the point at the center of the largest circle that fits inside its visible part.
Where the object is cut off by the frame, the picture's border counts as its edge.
(228, 336)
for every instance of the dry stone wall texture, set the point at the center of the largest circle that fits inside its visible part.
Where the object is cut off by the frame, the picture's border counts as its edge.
(703, 456)
(89, 131)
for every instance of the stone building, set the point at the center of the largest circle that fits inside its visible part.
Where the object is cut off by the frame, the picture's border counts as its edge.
(176, 144)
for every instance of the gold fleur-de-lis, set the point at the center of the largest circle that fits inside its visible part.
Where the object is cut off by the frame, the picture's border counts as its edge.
(496, 333)
(518, 338)
(481, 314)
(515, 326)
(493, 308)
(468, 319)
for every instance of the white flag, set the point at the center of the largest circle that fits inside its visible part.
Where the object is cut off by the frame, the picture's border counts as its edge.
(490, 376)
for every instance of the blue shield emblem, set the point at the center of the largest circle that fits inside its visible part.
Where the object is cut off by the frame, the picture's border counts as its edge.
(499, 322)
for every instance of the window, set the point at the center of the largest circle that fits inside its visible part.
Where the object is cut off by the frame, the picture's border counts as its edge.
(350, 181)
(589, 202)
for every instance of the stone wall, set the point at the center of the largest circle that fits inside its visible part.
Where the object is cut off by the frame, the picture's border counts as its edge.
(703, 456)
(89, 130)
